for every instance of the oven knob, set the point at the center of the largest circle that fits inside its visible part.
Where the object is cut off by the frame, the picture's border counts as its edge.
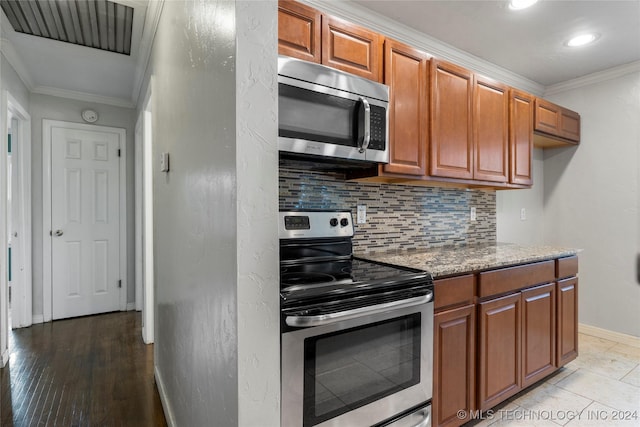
(333, 222)
(344, 222)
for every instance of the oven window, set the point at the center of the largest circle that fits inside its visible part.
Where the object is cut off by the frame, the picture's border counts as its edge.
(315, 116)
(352, 368)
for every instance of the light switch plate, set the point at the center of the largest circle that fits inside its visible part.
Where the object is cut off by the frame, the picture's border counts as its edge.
(473, 214)
(164, 162)
(523, 214)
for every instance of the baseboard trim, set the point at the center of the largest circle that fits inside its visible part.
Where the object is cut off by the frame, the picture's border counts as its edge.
(168, 413)
(4, 359)
(131, 306)
(37, 318)
(609, 335)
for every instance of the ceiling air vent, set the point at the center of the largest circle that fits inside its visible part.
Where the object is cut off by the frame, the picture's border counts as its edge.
(99, 24)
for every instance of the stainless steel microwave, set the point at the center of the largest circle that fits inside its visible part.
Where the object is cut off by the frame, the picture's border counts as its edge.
(328, 114)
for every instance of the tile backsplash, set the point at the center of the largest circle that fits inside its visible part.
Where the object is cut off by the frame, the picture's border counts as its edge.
(398, 216)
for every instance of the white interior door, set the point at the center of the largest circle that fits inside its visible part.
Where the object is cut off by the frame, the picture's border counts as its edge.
(85, 222)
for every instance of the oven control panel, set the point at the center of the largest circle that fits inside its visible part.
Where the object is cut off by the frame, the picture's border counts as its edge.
(315, 224)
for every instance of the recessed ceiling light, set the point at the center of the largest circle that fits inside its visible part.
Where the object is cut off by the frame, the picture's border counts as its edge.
(582, 40)
(521, 4)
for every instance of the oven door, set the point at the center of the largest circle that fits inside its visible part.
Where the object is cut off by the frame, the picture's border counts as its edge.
(358, 372)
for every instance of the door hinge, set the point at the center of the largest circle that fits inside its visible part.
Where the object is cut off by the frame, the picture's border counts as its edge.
(119, 283)
(119, 152)
(9, 294)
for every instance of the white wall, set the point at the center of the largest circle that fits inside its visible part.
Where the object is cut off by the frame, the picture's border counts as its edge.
(216, 258)
(257, 250)
(55, 108)
(12, 82)
(510, 228)
(591, 200)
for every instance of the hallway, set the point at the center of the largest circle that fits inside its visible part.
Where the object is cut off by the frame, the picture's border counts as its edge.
(87, 371)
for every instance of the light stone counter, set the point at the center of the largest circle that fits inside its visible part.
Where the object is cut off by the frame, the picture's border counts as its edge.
(449, 260)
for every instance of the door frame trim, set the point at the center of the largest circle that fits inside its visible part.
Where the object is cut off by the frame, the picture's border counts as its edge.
(47, 279)
(21, 310)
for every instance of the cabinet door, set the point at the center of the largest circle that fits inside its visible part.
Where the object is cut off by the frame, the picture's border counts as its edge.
(567, 320)
(520, 137)
(570, 125)
(406, 72)
(451, 141)
(547, 117)
(499, 341)
(490, 130)
(538, 333)
(351, 48)
(298, 31)
(556, 120)
(454, 365)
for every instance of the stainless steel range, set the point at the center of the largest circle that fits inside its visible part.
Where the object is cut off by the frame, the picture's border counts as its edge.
(357, 335)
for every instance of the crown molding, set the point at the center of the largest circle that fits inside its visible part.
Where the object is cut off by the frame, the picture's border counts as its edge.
(10, 54)
(390, 28)
(152, 19)
(594, 78)
(83, 96)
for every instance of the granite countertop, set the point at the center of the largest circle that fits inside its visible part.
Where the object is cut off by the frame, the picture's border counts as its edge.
(451, 260)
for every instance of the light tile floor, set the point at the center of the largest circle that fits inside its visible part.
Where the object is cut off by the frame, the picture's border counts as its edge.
(599, 388)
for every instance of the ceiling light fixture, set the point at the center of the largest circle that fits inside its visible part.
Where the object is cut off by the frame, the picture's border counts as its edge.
(521, 4)
(582, 39)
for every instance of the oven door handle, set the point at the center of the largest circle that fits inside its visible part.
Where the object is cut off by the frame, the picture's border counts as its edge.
(327, 319)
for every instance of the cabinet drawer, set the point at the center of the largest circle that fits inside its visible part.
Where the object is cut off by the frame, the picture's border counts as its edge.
(453, 291)
(567, 267)
(514, 278)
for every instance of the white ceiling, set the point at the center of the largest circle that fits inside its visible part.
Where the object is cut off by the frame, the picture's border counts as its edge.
(54, 67)
(528, 42)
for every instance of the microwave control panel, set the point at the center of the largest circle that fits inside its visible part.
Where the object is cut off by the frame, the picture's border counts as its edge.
(378, 128)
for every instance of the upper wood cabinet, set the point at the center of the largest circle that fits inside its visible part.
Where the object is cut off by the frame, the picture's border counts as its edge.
(406, 72)
(490, 130)
(305, 33)
(351, 48)
(299, 31)
(451, 151)
(469, 125)
(561, 124)
(520, 137)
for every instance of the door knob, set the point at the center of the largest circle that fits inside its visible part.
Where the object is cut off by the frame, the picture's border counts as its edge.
(59, 233)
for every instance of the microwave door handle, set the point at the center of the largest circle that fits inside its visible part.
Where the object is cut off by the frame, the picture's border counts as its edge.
(327, 319)
(367, 125)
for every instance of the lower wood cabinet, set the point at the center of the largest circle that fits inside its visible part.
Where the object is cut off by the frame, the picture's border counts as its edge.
(567, 311)
(499, 350)
(538, 333)
(497, 332)
(454, 365)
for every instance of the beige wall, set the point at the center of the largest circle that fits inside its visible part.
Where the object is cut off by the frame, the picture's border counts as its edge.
(591, 200)
(587, 197)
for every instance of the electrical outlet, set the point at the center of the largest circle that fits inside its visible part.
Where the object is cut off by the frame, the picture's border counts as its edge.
(523, 214)
(473, 214)
(362, 214)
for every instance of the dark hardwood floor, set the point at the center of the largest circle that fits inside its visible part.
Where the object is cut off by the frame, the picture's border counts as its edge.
(87, 371)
